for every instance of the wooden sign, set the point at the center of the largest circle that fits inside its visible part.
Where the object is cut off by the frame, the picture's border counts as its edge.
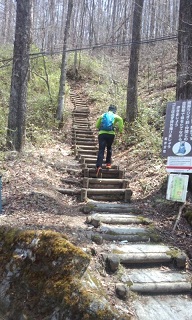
(177, 187)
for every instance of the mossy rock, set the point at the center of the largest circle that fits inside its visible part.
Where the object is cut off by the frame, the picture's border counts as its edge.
(41, 276)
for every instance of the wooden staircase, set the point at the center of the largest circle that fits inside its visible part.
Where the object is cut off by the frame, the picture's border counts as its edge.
(112, 186)
(133, 249)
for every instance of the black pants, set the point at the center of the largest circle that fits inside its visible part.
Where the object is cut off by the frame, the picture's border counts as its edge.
(105, 140)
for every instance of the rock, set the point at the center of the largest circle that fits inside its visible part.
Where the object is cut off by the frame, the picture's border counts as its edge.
(44, 276)
(113, 262)
(121, 291)
(181, 260)
(97, 238)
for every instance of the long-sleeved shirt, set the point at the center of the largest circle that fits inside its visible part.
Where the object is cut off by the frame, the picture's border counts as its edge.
(118, 121)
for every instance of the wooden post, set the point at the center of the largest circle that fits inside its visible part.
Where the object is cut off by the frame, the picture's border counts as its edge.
(83, 194)
(86, 183)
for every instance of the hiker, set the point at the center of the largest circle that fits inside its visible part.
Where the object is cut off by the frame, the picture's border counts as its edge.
(106, 125)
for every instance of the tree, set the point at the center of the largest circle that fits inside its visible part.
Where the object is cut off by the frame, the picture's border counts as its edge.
(61, 97)
(19, 80)
(184, 57)
(132, 109)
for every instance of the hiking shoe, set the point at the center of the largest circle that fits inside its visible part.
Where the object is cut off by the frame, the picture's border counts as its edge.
(108, 166)
(98, 172)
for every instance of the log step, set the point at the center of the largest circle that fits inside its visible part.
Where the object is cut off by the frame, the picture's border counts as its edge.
(97, 218)
(156, 281)
(153, 254)
(132, 235)
(103, 207)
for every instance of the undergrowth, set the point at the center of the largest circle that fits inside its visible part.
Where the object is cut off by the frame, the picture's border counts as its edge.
(100, 78)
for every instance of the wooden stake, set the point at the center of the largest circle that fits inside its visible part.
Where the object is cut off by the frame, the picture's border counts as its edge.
(178, 217)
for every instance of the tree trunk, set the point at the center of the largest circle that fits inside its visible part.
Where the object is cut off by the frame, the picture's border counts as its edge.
(61, 98)
(184, 58)
(132, 109)
(19, 80)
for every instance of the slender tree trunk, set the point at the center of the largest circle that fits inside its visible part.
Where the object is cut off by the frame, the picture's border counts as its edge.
(132, 109)
(61, 97)
(19, 80)
(184, 58)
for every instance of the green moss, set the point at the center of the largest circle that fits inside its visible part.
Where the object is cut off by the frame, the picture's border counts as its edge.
(174, 253)
(47, 274)
(144, 220)
(8, 235)
(152, 233)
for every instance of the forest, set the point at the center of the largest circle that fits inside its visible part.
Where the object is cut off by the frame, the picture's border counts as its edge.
(138, 32)
(133, 54)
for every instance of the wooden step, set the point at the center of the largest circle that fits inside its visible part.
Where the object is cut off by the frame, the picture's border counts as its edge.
(98, 183)
(106, 194)
(90, 172)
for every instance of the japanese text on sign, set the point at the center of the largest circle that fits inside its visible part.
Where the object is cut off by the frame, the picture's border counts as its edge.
(177, 139)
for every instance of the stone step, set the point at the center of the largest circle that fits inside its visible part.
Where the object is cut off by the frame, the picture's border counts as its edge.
(142, 254)
(106, 194)
(97, 218)
(155, 281)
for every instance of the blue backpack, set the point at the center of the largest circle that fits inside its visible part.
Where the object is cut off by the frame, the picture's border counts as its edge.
(107, 121)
